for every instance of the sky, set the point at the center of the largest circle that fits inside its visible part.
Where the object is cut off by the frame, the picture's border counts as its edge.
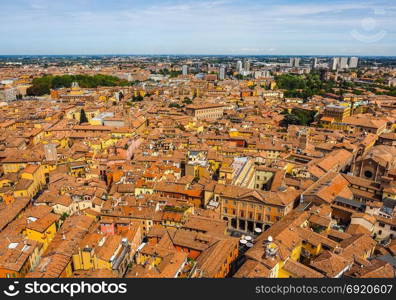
(233, 27)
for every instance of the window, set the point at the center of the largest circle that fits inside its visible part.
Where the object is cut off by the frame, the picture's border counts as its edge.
(381, 224)
(225, 210)
(368, 174)
(259, 217)
(242, 214)
(268, 218)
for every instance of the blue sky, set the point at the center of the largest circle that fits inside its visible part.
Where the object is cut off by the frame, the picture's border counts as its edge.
(339, 27)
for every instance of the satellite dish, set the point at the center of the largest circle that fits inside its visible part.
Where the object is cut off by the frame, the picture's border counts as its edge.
(249, 245)
(243, 242)
(248, 238)
(270, 239)
(258, 230)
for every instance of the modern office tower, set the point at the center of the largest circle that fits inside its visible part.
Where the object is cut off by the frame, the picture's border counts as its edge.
(266, 73)
(353, 62)
(335, 62)
(222, 73)
(246, 65)
(239, 66)
(314, 63)
(343, 62)
(257, 74)
(340, 63)
(294, 62)
(184, 70)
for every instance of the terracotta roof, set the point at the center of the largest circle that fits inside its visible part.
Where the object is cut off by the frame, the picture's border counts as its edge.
(375, 269)
(252, 269)
(300, 271)
(210, 261)
(357, 246)
(42, 224)
(329, 187)
(331, 264)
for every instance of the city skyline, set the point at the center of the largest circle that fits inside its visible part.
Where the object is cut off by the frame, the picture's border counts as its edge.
(218, 139)
(286, 27)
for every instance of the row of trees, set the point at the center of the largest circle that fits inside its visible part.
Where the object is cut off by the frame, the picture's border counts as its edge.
(186, 101)
(171, 73)
(298, 117)
(304, 86)
(41, 86)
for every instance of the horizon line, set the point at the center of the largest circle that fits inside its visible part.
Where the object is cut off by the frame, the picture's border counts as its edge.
(176, 54)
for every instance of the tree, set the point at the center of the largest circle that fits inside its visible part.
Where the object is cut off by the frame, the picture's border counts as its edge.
(290, 120)
(357, 92)
(64, 216)
(290, 82)
(187, 100)
(38, 89)
(175, 73)
(298, 117)
(303, 86)
(284, 112)
(305, 117)
(176, 105)
(138, 98)
(42, 85)
(83, 117)
(164, 71)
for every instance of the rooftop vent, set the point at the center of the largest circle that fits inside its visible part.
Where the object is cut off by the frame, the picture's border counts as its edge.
(12, 245)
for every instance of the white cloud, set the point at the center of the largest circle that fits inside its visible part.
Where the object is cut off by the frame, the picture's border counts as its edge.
(251, 26)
